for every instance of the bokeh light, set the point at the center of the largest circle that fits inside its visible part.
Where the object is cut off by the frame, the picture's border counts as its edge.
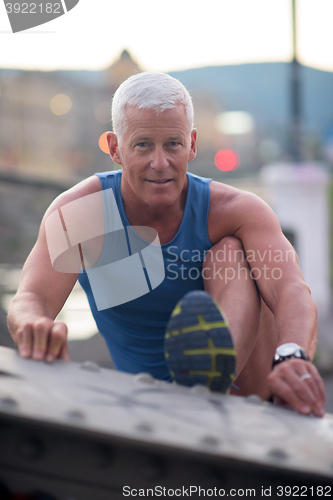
(269, 150)
(234, 123)
(103, 143)
(102, 112)
(227, 160)
(60, 104)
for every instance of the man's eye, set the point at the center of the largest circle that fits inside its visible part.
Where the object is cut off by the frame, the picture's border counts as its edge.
(174, 143)
(142, 144)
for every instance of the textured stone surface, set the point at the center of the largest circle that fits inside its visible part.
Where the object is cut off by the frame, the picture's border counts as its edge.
(140, 409)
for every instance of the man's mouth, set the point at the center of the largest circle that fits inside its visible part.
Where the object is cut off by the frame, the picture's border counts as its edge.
(163, 181)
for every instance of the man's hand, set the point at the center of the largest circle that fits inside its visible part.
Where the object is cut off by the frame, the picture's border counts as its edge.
(42, 339)
(297, 383)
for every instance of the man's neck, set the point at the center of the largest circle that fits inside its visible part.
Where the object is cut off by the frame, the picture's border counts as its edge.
(165, 219)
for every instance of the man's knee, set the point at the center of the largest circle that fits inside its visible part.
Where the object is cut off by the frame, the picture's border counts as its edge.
(226, 262)
(229, 250)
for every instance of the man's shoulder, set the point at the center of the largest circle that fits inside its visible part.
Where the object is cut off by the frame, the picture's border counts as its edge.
(83, 188)
(232, 208)
(225, 196)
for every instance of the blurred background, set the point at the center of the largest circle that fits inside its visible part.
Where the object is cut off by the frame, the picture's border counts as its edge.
(261, 77)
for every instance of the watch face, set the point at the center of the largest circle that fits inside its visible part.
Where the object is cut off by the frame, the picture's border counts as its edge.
(287, 349)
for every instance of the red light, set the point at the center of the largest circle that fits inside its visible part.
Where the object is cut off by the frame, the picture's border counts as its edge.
(227, 160)
(103, 143)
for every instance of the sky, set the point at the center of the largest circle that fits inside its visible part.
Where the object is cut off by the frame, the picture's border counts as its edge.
(167, 35)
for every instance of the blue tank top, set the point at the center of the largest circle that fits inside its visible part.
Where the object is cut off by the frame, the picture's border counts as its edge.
(134, 331)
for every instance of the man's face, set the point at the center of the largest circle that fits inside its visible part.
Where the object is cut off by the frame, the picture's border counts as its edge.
(153, 152)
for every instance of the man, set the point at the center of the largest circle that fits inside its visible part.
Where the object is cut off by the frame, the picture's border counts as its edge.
(213, 237)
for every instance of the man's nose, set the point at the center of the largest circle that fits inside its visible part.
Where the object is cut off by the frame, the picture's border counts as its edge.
(159, 159)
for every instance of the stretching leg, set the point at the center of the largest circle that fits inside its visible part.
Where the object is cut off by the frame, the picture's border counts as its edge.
(227, 278)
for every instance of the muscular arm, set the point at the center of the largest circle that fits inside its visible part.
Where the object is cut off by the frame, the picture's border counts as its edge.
(274, 267)
(273, 261)
(43, 292)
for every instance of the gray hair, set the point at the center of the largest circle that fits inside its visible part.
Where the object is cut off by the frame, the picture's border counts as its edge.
(149, 90)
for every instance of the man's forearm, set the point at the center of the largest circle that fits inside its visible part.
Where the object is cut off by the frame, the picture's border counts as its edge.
(296, 318)
(296, 382)
(32, 326)
(25, 308)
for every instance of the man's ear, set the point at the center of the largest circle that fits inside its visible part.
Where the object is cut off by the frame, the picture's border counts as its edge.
(113, 147)
(193, 150)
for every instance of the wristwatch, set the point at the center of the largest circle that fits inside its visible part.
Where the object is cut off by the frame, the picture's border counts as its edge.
(289, 351)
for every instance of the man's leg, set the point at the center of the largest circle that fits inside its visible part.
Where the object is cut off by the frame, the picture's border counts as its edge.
(252, 378)
(228, 280)
(198, 345)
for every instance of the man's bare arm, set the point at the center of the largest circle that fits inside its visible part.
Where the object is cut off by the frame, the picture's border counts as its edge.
(279, 279)
(274, 267)
(282, 286)
(43, 292)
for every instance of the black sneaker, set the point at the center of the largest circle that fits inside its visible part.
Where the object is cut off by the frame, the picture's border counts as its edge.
(198, 345)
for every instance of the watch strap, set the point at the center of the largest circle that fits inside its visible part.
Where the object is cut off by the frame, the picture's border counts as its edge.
(298, 354)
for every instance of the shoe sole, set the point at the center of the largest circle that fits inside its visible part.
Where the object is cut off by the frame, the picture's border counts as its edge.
(198, 344)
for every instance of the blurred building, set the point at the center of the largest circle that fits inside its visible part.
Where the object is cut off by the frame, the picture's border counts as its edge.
(50, 122)
(120, 70)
